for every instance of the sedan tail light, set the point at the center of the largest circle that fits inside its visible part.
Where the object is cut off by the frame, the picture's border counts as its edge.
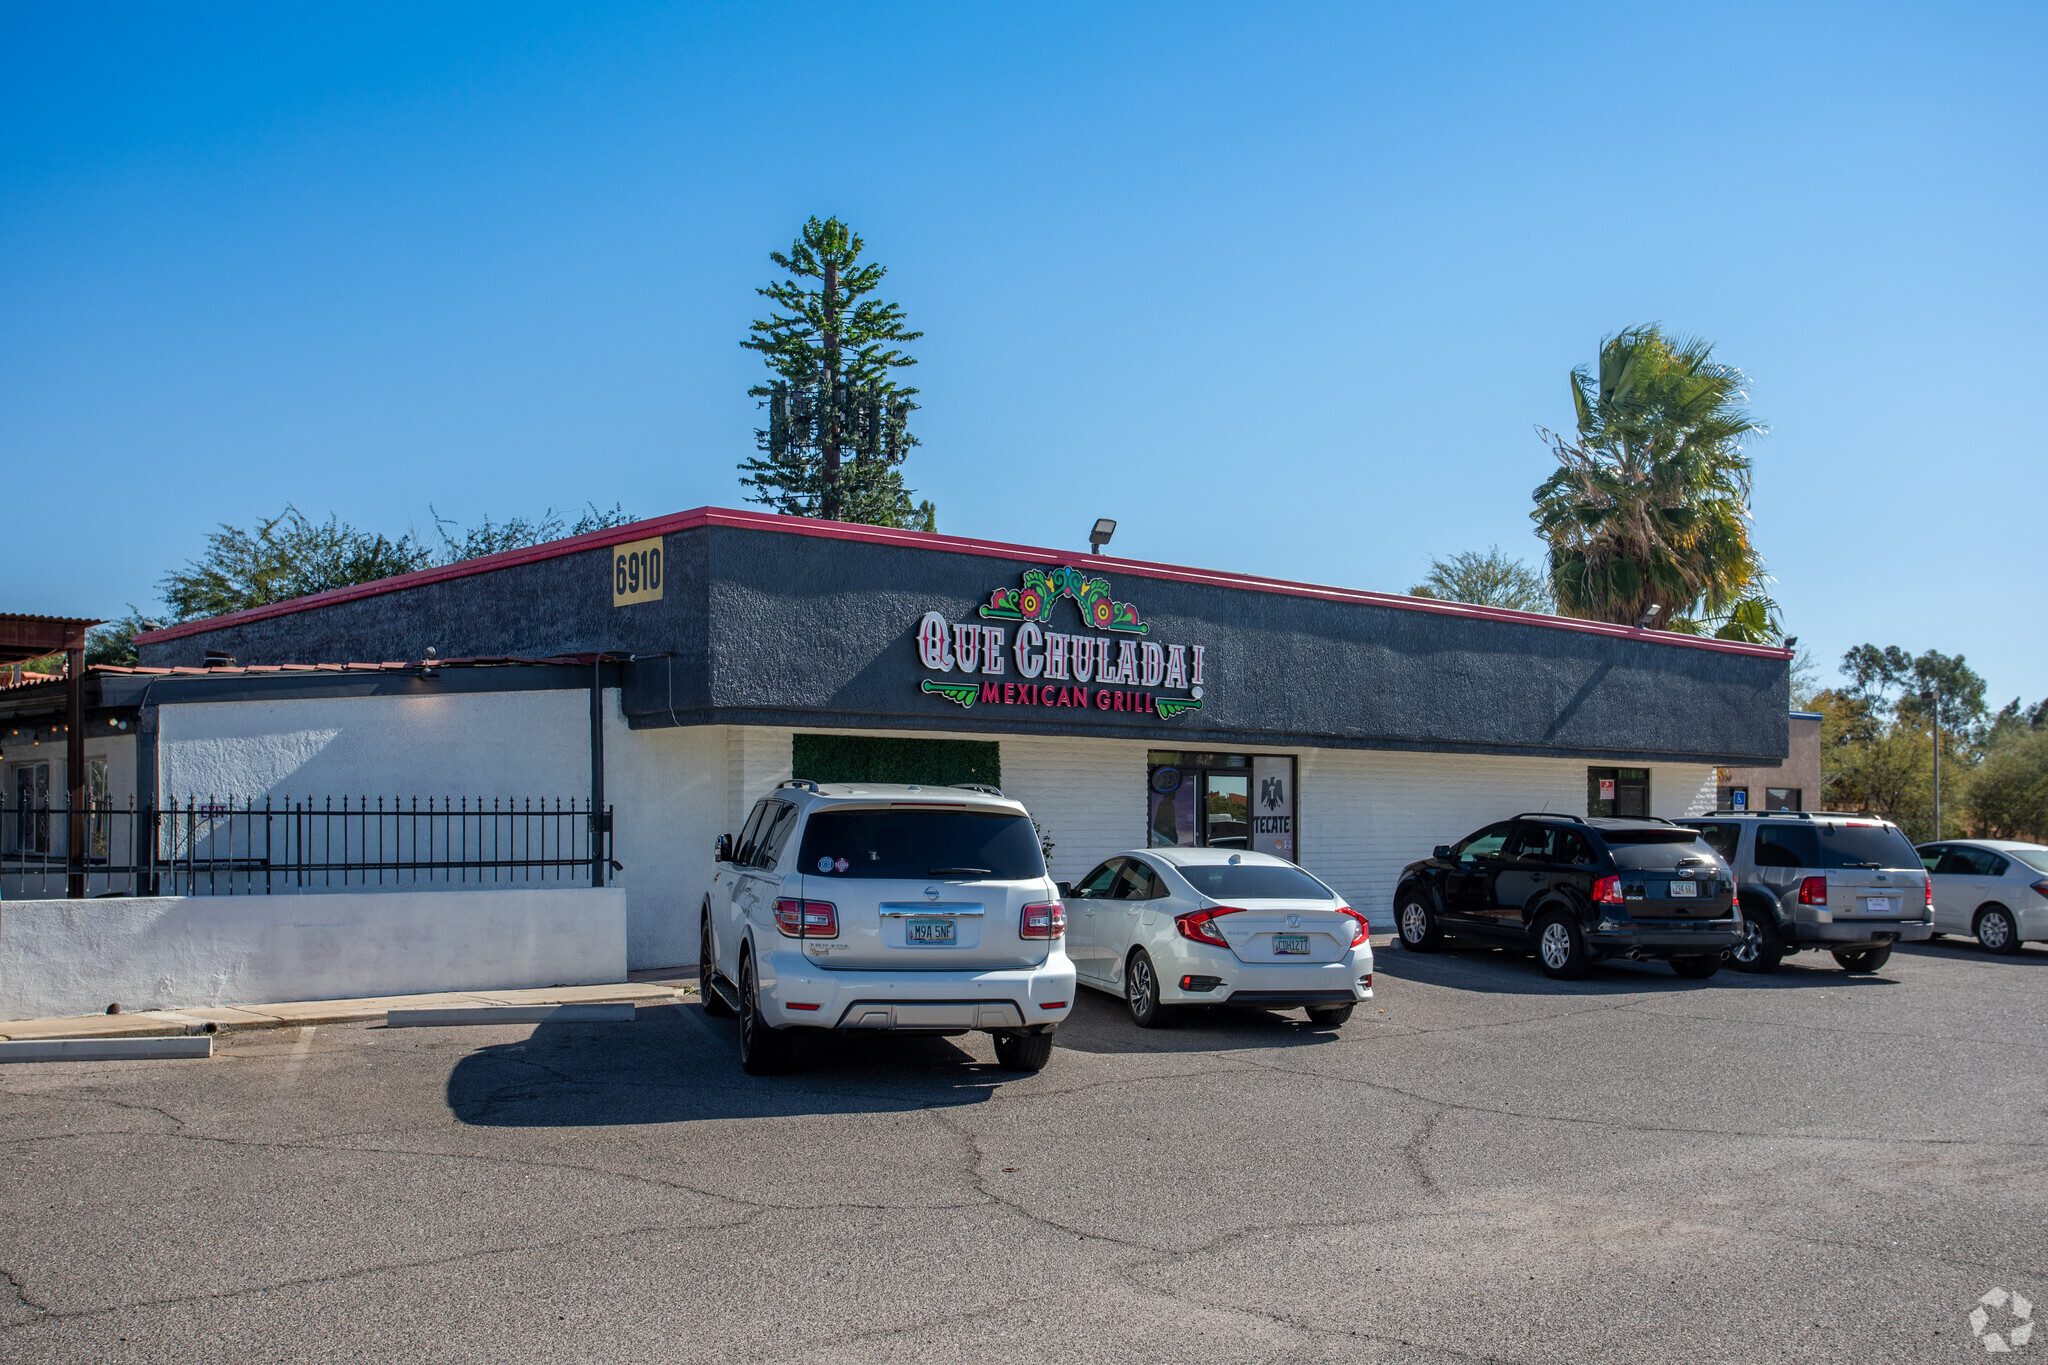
(1607, 891)
(1813, 891)
(1200, 926)
(1364, 929)
(2040, 887)
(807, 919)
(1045, 920)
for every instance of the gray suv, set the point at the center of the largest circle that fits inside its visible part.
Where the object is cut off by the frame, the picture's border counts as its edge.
(1851, 884)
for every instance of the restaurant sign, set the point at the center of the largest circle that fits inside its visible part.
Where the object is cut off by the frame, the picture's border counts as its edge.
(1053, 668)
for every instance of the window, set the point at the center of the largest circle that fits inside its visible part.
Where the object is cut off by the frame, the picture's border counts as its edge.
(1972, 862)
(908, 843)
(1931, 855)
(1255, 881)
(1860, 843)
(1623, 792)
(100, 802)
(1535, 844)
(1784, 798)
(31, 796)
(1791, 847)
(1723, 839)
(1485, 844)
(1097, 884)
(774, 834)
(1137, 883)
(2036, 858)
(743, 847)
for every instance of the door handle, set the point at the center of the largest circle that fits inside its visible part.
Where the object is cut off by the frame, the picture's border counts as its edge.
(1537, 877)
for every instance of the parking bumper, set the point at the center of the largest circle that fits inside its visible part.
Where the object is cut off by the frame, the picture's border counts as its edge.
(795, 992)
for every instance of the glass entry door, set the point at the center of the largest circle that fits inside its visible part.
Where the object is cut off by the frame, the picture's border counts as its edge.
(1227, 810)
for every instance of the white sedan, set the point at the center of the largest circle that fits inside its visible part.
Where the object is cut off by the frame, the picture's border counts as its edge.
(1996, 889)
(1216, 926)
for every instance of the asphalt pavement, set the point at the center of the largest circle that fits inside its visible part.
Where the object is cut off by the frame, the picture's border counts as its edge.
(1811, 1166)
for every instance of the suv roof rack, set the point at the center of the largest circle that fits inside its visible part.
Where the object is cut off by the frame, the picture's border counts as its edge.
(801, 783)
(1551, 815)
(984, 788)
(1799, 814)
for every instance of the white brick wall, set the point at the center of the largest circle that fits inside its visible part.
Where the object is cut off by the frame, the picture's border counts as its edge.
(1362, 814)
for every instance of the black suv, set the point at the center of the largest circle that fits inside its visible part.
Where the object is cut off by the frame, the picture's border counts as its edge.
(1576, 891)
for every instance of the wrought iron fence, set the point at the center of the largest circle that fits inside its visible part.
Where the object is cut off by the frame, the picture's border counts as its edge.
(201, 847)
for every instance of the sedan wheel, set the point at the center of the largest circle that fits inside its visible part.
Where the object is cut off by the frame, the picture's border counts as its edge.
(1141, 992)
(1560, 948)
(1995, 930)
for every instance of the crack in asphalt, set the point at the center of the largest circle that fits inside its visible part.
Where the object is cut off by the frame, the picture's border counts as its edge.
(21, 1293)
(341, 1276)
(61, 1097)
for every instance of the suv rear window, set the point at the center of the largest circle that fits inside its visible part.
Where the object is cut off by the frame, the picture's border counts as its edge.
(1829, 845)
(1251, 882)
(1653, 850)
(910, 845)
(1723, 839)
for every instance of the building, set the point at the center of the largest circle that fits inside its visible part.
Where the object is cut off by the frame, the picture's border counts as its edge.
(677, 669)
(1794, 785)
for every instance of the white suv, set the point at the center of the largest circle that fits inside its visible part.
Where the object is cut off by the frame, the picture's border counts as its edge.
(911, 908)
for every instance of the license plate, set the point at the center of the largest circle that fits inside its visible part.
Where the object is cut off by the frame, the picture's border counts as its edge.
(1290, 945)
(1682, 891)
(1878, 905)
(929, 930)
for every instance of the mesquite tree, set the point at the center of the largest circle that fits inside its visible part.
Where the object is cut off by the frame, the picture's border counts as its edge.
(838, 423)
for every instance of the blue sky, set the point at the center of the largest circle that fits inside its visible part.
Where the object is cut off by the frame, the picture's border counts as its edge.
(1284, 290)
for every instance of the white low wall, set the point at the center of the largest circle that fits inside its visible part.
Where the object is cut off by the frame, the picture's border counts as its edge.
(66, 957)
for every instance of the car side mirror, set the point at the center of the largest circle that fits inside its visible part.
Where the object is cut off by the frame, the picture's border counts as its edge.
(722, 848)
(1443, 851)
(1066, 890)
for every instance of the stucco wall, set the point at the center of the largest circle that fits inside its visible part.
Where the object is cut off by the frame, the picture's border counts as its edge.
(60, 958)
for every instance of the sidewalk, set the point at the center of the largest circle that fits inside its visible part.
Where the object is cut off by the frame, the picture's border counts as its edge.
(650, 988)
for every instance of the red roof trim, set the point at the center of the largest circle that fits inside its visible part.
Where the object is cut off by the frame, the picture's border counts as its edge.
(925, 540)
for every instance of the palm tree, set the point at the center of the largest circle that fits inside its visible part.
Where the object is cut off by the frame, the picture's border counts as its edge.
(1647, 514)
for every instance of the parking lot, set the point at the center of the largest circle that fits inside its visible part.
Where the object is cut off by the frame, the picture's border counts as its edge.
(1483, 1165)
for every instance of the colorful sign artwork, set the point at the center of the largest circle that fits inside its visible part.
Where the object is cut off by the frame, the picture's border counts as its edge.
(1091, 671)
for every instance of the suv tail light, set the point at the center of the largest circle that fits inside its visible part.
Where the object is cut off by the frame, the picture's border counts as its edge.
(1200, 926)
(1930, 892)
(1364, 929)
(807, 919)
(1607, 891)
(1813, 891)
(1045, 920)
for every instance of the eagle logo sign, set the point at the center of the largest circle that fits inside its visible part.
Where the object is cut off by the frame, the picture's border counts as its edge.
(1272, 793)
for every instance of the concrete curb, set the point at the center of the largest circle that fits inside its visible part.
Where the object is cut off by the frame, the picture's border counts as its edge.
(105, 1049)
(513, 1014)
(304, 1013)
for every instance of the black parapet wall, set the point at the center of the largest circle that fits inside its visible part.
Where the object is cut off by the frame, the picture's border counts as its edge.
(817, 628)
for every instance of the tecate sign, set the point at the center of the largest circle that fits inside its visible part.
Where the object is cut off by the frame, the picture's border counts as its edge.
(1098, 671)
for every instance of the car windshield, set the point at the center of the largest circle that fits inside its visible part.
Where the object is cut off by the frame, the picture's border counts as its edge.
(1254, 881)
(910, 845)
(1653, 850)
(2034, 857)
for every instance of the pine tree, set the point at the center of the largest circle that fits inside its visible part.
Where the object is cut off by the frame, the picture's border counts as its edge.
(838, 424)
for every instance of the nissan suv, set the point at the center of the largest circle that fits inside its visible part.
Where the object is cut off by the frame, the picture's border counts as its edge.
(1851, 884)
(1576, 891)
(916, 909)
